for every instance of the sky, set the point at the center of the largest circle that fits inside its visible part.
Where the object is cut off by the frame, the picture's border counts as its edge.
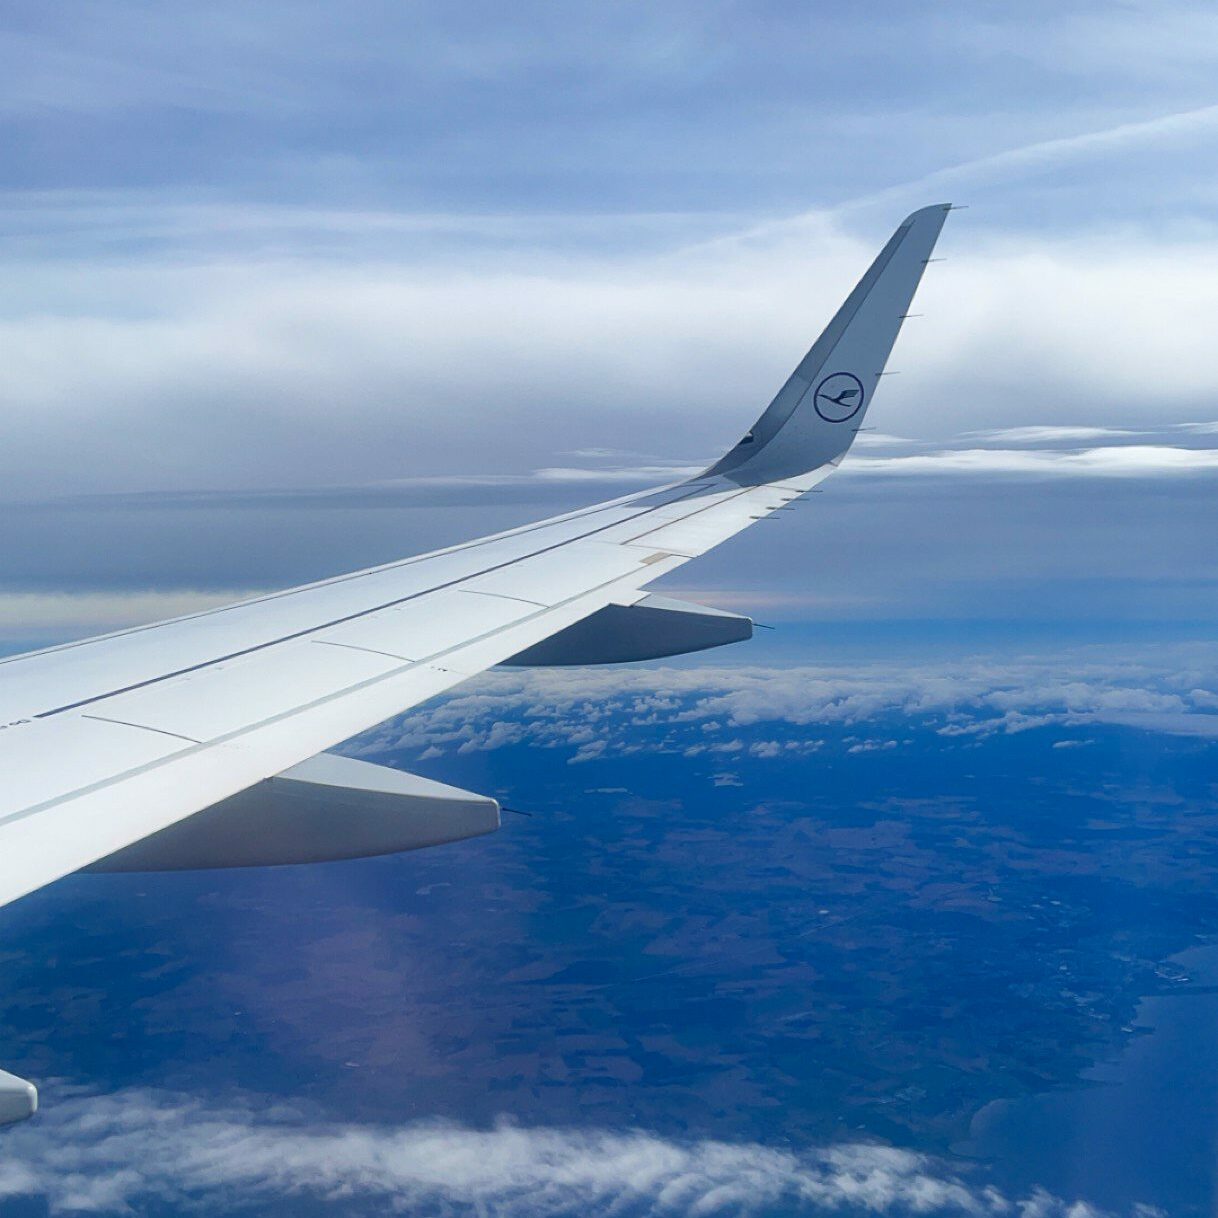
(295, 289)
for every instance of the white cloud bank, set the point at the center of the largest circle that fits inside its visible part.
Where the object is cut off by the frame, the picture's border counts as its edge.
(688, 711)
(110, 1155)
(247, 372)
(1111, 461)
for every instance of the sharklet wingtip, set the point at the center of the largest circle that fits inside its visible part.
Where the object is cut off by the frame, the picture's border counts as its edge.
(800, 431)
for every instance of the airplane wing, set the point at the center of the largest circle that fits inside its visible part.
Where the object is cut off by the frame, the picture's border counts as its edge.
(202, 741)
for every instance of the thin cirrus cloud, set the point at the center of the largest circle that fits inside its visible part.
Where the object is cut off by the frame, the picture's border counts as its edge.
(732, 85)
(110, 1155)
(1115, 461)
(1052, 434)
(1185, 126)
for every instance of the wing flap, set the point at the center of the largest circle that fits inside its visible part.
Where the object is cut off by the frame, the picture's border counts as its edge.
(558, 575)
(227, 698)
(49, 759)
(428, 626)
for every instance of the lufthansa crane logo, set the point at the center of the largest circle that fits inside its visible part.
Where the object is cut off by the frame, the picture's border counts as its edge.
(839, 397)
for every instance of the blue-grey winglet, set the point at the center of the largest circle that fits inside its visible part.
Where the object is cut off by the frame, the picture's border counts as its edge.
(817, 413)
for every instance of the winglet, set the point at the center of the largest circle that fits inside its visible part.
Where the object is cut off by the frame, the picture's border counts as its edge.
(817, 413)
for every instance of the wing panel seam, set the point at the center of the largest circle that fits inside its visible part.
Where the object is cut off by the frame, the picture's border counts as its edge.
(372, 651)
(142, 727)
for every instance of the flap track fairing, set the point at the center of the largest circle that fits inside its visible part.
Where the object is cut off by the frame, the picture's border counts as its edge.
(327, 808)
(650, 629)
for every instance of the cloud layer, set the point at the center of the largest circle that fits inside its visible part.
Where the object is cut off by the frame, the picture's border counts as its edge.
(693, 711)
(110, 1155)
(255, 376)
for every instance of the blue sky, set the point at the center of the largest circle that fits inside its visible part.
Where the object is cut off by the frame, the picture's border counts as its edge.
(294, 289)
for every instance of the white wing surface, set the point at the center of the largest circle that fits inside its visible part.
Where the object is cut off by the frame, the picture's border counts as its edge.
(109, 741)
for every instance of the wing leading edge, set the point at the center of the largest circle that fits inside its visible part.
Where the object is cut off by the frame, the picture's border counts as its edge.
(108, 741)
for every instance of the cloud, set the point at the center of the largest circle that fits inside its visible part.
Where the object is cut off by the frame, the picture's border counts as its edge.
(421, 491)
(779, 748)
(266, 102)
(243, 373)
(1040, 155)
(879, 439)
(872, 746)
(112, 1155)
(1180, 723)
(627, 474)
(708, 711)
(1115, 461)
(1051, 434)
(44, 616)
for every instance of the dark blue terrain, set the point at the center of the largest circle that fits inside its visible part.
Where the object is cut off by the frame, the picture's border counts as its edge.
(728, 926)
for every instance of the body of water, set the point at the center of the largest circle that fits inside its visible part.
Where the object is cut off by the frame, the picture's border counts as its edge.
(1141, 1129)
